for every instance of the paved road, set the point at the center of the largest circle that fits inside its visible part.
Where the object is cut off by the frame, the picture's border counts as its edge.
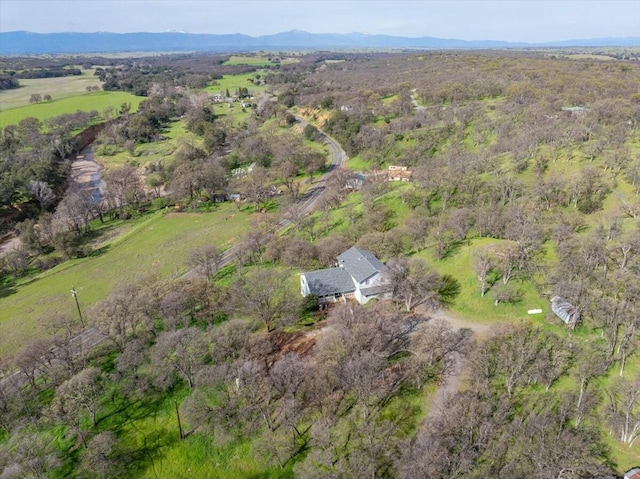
(308, 202)
(92, 337)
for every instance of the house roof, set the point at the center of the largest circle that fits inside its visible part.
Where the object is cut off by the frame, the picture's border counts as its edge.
(378, 289)
(565, 310)
(632, 473)
(325, 282)
(360, 263)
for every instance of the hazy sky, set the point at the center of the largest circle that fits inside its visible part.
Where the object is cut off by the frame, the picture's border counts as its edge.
(513, 20)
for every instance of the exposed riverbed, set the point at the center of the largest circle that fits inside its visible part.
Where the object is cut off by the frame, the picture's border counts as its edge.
(85, 175)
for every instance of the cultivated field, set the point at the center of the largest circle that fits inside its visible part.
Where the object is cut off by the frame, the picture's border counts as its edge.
(58, 88)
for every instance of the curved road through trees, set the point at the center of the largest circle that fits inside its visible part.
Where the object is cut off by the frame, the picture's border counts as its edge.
(309, 200)
(91, 337)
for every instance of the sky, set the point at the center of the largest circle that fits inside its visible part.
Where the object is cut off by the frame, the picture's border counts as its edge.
(507, 20)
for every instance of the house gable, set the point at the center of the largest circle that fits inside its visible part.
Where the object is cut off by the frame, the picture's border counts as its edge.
(360, 264)
(358, 275)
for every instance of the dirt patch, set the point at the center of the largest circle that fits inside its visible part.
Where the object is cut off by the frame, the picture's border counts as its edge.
(301, 346)
(458, 322)
(450, 384)
(283, 343)
(9, 242)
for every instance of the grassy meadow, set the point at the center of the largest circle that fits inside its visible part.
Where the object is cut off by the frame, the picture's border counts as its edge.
(84, 102)
(231, 82)
(258, 61)
(58, 88)
(158, 243)
(145, 153)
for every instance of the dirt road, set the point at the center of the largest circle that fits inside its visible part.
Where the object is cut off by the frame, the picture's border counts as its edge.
(451, 383)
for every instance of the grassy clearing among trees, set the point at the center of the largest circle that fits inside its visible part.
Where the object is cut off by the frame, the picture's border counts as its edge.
(145, 153)
(259, 61)
(157, 243)
(469, 304)
(57, 87)
(98, 101)
(232, 82)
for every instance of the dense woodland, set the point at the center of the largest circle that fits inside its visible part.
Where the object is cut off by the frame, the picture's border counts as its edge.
(538, 156)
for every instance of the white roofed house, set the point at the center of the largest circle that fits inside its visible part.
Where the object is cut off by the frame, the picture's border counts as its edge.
(358, 274)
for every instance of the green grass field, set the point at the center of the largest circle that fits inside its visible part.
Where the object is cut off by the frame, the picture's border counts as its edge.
(85, 102)
(469, 304)
(149, 430)
(58, 88)
(153, 152)
(258, 61)
(231, 82)
(158, 243)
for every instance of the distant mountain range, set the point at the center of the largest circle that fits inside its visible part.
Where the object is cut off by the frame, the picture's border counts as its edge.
(28, 43)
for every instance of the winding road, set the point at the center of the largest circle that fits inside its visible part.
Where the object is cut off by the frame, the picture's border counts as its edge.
(91, 337)
(308, 202)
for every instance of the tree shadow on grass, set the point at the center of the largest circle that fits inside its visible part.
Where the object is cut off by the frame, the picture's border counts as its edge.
(126, 411)
(452, 249)
(7, 287)
(141, 444)
(99, 251)
(137, 459)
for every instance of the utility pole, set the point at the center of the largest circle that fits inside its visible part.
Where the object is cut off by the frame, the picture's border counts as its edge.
(74, 293)
(179, 423)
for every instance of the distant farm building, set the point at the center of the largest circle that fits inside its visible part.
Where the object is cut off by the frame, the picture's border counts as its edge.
(566, 311)
(398, 173)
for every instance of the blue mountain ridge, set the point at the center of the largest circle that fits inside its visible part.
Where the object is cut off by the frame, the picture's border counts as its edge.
(29, 43)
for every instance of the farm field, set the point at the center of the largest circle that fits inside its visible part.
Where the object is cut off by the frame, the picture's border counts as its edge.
(85, 102)
(259, 61)
(58, 88)
(232, 82)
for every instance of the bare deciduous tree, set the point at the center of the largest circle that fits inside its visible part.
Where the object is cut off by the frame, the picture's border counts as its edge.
(265, 295)
(206, 260)
(414, 283)
(178, 353)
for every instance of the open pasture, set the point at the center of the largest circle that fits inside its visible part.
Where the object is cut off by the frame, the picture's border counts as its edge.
(260, 61)
(58, 88)
(232, 82)
(98, 101)
(156, 244)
